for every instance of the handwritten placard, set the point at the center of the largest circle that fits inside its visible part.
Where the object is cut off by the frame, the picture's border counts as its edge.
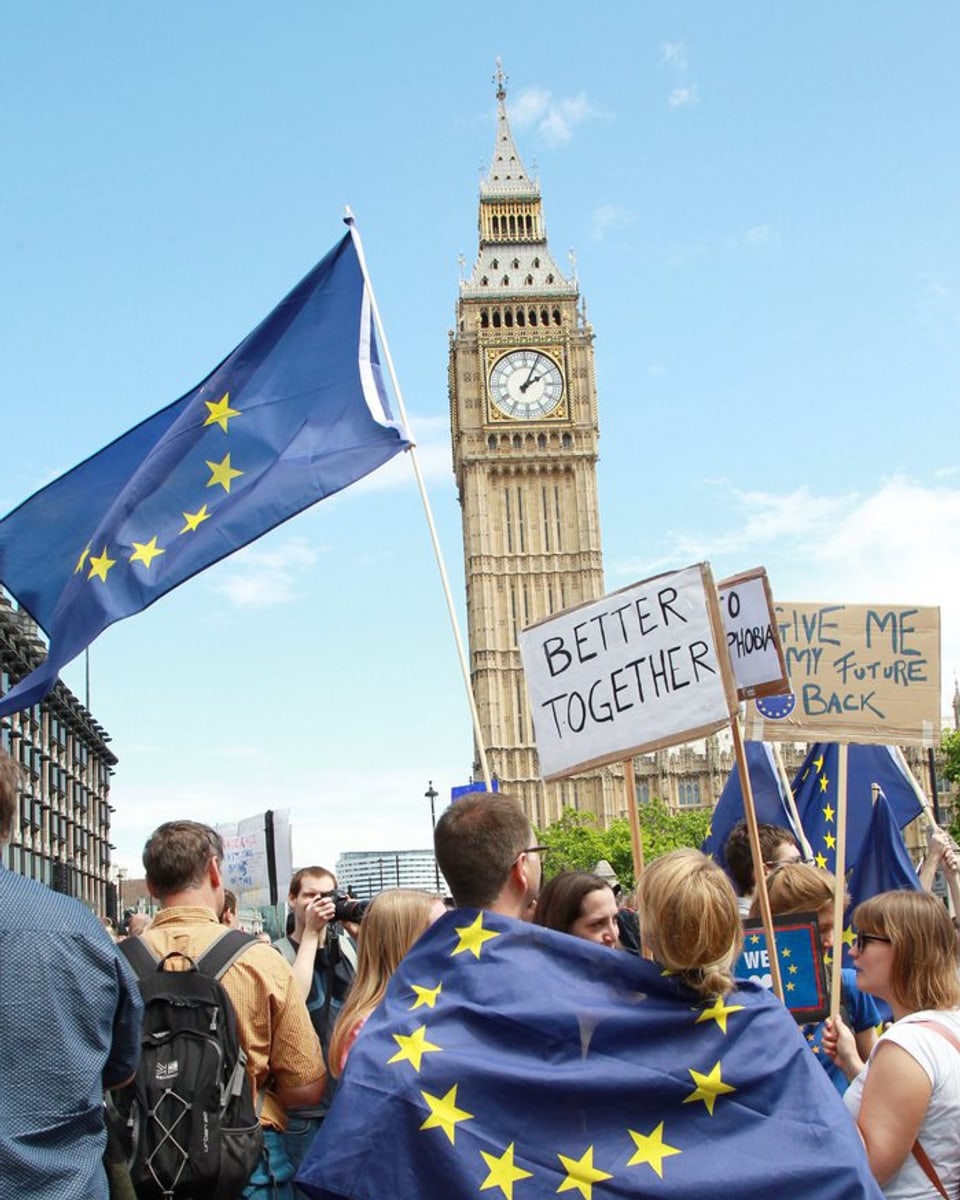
(246, 870)
(858, 673)
(753, 637)
(632, 672)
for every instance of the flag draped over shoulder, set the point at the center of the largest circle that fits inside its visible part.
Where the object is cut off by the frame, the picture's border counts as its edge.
(297, 412)
(512, 1060)
(771, 808)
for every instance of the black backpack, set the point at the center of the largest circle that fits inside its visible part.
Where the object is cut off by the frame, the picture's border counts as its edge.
(188, 1116)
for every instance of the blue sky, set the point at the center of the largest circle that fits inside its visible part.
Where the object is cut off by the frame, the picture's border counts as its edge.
(764, 203)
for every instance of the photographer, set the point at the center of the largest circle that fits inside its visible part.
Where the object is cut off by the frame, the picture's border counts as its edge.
(324, 959)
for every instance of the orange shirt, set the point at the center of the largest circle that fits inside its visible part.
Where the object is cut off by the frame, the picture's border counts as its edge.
(272, 1019)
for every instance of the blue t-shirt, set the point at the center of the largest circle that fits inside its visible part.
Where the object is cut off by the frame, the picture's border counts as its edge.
(70, 1014)
(860, 1013)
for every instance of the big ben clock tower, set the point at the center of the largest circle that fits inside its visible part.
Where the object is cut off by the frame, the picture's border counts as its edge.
(523, 409)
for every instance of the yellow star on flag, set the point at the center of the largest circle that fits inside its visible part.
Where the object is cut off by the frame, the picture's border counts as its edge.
(785, 952)
(581, 1174)
(718, 1011)
(222, 473)
(425, 996)
(818, 763)
(651, 1149)
(824, 783)
(755, 939)
(828, 813)
(830, 840)
(794, 968)
(100, 565)
(821, 862)
(472, 937)
(827, 958)
(848, 937)
(146, 552)
(791, 987)
(708, 1088)
(413, 1047)
(194, 520)
(504, 1172)
(82, 559)
(220, 412)
(444, 1113)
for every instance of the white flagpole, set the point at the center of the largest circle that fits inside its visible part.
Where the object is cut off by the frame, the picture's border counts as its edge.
(445, 582)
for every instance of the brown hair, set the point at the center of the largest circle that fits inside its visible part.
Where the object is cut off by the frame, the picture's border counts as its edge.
(477, 841)
(390, 926)
(561, 900)
(736, 850)
(923, 973)
(10, 782)
(797, 887)
(689, 918)
(229, 901)
(296, 883)
(177, 855)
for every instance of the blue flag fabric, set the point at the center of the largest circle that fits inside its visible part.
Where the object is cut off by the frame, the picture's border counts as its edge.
(768, 801)
(510, 1059)
(815, 794)
(883, 864)
(297, 412)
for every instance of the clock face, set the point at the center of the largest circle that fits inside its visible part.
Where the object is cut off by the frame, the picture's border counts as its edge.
(526, 384)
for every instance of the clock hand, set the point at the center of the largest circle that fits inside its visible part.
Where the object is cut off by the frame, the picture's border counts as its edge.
(533, 367)
(524, 386)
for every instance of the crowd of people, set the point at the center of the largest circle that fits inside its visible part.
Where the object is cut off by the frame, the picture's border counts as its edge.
(304, 1004)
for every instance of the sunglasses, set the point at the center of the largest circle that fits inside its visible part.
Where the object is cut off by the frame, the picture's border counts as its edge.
(861, 940)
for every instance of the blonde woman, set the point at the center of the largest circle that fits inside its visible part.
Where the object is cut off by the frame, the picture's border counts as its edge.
(906, 1100)
(390, 926)
(689, 920)
(800, 888)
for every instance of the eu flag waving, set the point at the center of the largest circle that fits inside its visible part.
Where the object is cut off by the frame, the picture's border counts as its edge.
(513, 1060)
(297, 412)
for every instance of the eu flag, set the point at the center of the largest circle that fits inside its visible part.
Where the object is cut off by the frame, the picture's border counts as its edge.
(512, 1060)
(768, 801)
(297, 412)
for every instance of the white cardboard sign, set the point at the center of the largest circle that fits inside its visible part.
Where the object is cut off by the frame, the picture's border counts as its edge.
(753, 636)
(634, 671)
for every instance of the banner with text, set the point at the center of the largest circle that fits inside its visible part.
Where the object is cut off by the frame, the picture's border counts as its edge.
(753, 637)
(858, 673)
(632, 672)
(246, 860)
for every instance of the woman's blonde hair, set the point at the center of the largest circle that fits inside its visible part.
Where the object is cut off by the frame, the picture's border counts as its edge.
(689, 920)
(923, 973)
(390, 926)
(797, 888)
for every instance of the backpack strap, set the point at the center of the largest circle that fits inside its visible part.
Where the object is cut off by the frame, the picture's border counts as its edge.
(285, 946)
(139, 955)
(917, 1150)
(224, 952)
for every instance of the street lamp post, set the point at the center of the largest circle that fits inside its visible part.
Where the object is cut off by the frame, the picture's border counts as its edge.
(431, 794)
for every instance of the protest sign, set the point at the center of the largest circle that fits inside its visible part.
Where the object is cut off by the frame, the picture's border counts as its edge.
(753, 637)
(800, 956)
(258, 857)
(632, 672)
(858, 673)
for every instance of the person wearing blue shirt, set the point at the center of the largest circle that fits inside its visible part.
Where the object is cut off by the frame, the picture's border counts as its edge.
(70, 1012)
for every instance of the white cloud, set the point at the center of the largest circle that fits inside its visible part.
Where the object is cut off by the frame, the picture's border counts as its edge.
(554, 118)
(608, 218)
(260, 577)
(758, 237)
(684, 97)
(673, 54)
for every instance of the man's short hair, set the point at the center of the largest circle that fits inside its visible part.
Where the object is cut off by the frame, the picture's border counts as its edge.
(477, 840)
(296, 883)
(736, 850)
(229, 901)
(177, 856)
(10, 782)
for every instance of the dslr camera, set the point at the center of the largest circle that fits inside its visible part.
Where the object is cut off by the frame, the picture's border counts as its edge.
(345, 908)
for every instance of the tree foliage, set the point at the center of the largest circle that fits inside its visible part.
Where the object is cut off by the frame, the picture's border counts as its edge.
(576, 843)
(950, 749)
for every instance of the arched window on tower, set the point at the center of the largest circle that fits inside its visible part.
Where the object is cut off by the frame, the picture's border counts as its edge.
(505, 281)
(516, 264)
(492, 442)
(508, 318)
(556, 316)
(496, 318)
(532, 316)
(567, 442)
(521, 317)
(529, 281)
(494, 264)
(484, 318)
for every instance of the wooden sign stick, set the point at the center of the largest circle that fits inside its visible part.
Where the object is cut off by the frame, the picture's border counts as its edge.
(839, 894)
(636, 840)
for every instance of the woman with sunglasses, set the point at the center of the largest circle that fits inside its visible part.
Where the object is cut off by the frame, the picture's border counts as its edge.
(906, 1100)
(797, 887)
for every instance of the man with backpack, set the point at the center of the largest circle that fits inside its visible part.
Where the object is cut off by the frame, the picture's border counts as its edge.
(277, 1043)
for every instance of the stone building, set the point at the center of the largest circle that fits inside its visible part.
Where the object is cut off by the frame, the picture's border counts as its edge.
(63, 835)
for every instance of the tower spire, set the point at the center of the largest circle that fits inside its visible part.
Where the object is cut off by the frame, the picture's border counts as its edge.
(507, 175)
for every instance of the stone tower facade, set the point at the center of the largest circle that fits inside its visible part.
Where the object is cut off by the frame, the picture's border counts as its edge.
(524, 422)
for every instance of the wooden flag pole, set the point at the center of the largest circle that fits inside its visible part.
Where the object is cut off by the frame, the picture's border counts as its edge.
(790, 801)
(633, 812)
(840, 886)
(750, 813)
